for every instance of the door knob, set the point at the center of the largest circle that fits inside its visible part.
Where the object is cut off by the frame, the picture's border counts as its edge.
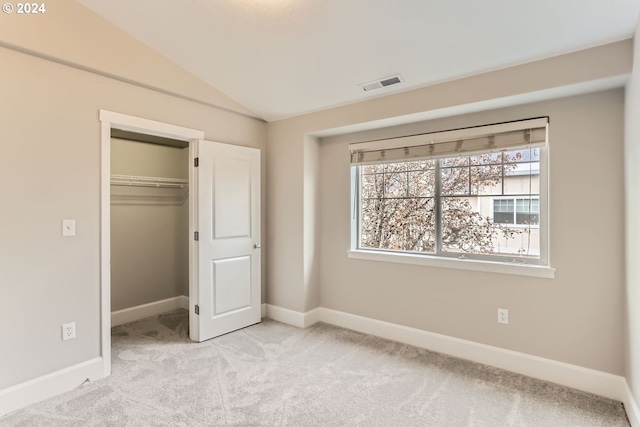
(256, 246)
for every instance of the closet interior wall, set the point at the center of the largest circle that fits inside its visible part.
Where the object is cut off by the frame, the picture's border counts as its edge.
(149, 226)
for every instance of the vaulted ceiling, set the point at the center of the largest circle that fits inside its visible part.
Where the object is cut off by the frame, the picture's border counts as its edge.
(283, 58)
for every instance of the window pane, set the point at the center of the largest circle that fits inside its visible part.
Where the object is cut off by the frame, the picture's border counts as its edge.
(486, 179)
(503, 211)
(419, 232)
(422, 184)
(395, 184)
(399, 224)
(455, 181)
(503, 205)
(464, 229)
(522, 178)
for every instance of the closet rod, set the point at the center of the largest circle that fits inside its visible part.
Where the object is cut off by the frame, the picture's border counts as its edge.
(148, 181)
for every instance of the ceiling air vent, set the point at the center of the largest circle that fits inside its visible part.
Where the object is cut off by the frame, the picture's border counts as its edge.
(377, 84)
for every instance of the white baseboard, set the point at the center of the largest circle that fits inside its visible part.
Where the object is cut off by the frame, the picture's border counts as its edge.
(631, 406)
(49, 385)
(589, 380)
(292, 317)
(313, 316)
(284, 315)
(139, 312)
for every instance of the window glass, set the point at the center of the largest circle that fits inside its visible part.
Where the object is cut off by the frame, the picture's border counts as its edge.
(485, 205)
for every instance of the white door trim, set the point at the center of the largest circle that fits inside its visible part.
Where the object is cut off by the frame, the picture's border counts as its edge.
(108, 121)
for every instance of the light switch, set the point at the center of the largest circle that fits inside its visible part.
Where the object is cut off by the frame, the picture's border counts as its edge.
(68, 227)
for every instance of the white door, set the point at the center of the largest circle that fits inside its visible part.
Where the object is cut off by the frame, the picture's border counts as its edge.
(227, 252)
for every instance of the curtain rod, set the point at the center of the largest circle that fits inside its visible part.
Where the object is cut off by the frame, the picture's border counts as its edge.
(453, 130)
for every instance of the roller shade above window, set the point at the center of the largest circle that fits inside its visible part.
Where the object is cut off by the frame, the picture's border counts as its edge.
(482, 139)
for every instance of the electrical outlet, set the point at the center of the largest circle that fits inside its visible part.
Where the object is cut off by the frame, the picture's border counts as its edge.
(68, 331)
(503, 316)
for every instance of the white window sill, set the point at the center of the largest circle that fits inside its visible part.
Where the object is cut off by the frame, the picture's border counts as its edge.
(460, 264)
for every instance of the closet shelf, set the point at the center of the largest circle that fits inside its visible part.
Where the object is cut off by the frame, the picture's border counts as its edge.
(148, 181)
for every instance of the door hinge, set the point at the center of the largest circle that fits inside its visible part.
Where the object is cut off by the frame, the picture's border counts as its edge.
(197, 309)
(196, 236)
(196, 162)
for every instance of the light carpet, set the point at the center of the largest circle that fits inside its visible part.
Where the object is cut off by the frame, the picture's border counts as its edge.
(272, 374)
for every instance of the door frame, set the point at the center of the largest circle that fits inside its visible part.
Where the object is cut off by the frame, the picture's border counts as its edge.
(109, 120)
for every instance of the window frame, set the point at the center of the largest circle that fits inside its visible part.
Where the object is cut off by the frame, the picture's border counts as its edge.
(479, 262)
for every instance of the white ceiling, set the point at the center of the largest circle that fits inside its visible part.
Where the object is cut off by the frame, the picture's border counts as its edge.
(282, 58)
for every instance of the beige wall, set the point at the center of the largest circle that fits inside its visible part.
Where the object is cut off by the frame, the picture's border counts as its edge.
(575, 318)
(50, 170)
(632, 160)
(149, 226)
(586, 329)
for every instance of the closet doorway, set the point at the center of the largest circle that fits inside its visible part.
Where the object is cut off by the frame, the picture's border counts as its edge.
(149, 225)
(209, 199)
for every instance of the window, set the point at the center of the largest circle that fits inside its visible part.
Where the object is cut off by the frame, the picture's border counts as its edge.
(477, 196)
(503, 211)
(516, 211)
